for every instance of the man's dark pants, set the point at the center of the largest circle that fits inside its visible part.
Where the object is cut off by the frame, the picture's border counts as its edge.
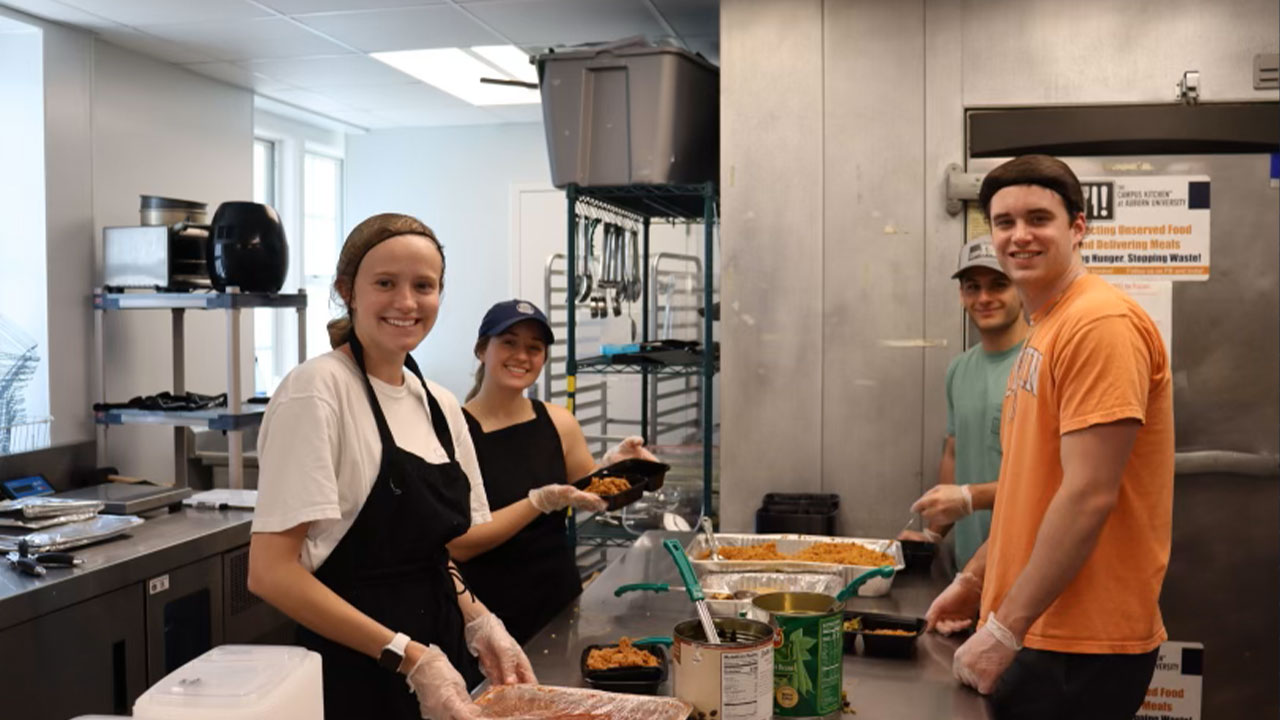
(1063, 686)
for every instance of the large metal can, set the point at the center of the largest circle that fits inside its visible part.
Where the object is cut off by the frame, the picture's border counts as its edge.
(808, 660)
(732, 680)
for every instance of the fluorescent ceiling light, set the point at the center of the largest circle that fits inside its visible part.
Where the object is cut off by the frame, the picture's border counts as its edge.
(458, 72)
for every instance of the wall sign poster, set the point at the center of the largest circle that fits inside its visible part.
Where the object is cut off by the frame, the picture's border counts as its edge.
(1174, 692)
(1153, 227)
(1156, 297)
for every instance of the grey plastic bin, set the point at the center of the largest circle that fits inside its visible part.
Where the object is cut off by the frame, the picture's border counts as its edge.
(630, 113)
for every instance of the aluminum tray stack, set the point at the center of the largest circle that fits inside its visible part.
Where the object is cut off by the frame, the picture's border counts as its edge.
(790, 543)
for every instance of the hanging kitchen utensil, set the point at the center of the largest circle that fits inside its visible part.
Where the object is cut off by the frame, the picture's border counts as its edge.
(635, 280)
(705, 525)
(693, 588)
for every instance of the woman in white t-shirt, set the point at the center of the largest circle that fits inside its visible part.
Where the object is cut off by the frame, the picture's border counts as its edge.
(367, 473)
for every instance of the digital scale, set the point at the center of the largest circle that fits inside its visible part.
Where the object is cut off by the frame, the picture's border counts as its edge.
(129, 498)
(25, 487)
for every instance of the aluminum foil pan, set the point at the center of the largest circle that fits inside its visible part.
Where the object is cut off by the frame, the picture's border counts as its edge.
(760, 582)
(547, 702)
(43, 522)
(74, 534)
(34, 507)
(698, 551)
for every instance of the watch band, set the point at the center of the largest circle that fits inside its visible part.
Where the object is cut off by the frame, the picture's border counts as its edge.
(393, 654)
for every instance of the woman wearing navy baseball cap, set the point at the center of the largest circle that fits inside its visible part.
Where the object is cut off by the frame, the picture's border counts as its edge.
(528, 451)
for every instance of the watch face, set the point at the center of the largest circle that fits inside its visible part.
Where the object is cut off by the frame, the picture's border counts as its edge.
(390, 659)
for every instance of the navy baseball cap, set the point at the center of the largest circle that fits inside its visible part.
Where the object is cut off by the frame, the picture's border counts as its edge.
(509, 312)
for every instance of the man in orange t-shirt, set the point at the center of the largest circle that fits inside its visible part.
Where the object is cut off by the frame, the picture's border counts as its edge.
(1068, 583)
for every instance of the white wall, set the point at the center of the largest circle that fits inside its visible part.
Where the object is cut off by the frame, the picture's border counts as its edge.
(161, 130)
(458, 181)
(118, 125)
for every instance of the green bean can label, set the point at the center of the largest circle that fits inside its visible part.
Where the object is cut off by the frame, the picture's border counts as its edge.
(808, 664)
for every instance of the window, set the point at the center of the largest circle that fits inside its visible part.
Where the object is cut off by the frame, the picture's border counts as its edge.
(297, 169)
(24, 333)
(321, 241)
(266, 322)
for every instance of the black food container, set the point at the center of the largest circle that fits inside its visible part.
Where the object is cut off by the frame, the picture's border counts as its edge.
(618, 500)
(654, 472)
(638, 680)
(873, 644)
(918, 555)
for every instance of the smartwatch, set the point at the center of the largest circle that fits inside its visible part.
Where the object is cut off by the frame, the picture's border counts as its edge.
(393, 654)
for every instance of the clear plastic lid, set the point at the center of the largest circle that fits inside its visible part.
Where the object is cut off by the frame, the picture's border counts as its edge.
(237, 675)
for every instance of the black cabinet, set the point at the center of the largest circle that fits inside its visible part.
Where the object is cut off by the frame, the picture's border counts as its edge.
(184, 615)
(83, 659)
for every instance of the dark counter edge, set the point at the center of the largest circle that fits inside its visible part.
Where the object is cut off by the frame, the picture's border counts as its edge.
(161, 544)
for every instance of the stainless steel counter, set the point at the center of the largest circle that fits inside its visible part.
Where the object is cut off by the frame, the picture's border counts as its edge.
(158, 545)
(877, 688)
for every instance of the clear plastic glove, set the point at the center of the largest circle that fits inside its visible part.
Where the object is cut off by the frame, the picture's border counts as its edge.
(926, 535)
(944, 504)
(983, 658)
(550, 498)
(501, 659)
(956, 607)
(631, 447)
(442, 695)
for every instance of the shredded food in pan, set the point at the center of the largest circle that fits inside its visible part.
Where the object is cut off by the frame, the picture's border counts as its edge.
(624, 655)
(607, 485)
(822, 552)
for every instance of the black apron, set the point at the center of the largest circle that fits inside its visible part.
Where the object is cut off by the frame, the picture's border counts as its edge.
(531, 577)
(392, 565)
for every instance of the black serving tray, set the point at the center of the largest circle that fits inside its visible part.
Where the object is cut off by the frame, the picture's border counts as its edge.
(618, 500)
(883, 645)
(638, 680)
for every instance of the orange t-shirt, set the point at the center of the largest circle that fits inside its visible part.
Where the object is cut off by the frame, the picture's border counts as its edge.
(1092, 357)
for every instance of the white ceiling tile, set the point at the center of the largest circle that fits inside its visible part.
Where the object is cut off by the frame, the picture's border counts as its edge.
(259, 39)
(414, 118)
(403, 29)
(151, 46)
(309, 100)
(60, 12)
(565, 22)
(158, 12)
(301, 7)
(409, 96)
(238, 75)
(329, 71)
(517, 113)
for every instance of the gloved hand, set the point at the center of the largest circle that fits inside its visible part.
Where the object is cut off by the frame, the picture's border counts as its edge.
(442, 695)
(501, 659)
(983, 658)
(955, 607)
(944, 504)
(631, 447)
(926, 535)
(550, 498)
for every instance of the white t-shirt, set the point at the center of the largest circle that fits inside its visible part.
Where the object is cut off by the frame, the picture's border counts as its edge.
(319, 452)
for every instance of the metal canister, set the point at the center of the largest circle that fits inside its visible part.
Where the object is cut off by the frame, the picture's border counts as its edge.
(731, 680)
(808, 659)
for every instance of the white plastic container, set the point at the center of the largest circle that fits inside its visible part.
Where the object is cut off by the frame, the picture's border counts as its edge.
(239, 682)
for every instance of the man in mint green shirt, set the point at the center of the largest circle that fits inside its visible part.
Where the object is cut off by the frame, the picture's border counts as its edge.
(976, 380)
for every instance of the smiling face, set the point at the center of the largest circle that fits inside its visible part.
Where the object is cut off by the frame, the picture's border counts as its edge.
(395, 297)
(990, 299)
(1035, 240)
(513, 359)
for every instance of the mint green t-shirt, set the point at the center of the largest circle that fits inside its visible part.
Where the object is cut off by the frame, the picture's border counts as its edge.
(975, 392)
